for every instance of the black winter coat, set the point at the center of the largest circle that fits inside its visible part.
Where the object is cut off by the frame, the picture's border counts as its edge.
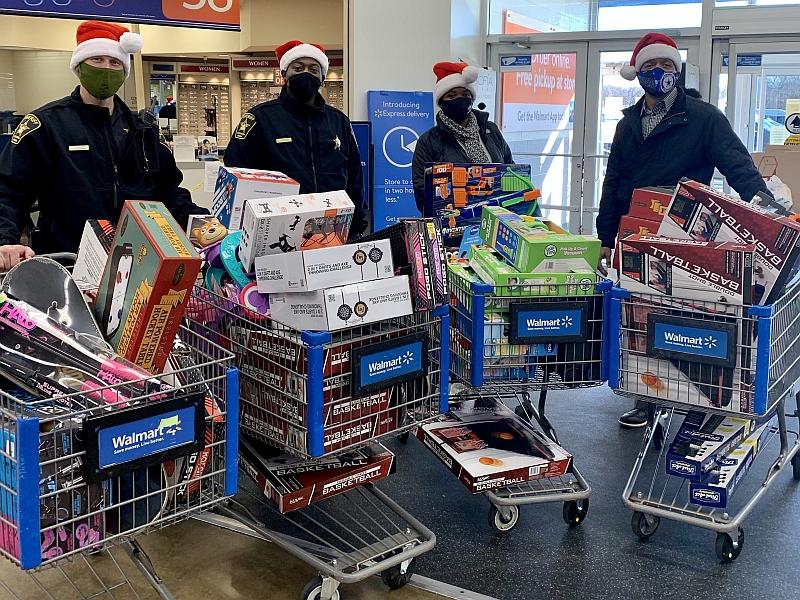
(61, 156)
(693, 139)
(438, 145)
(315, 146)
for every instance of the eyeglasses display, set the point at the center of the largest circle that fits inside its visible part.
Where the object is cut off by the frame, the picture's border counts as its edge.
(194, 99)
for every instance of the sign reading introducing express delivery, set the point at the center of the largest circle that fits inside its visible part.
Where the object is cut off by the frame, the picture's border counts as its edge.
(214, 14)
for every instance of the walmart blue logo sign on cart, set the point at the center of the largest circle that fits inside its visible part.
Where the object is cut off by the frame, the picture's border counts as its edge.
(691, 340)
(391, 364)
(541, 323)
(132, 441)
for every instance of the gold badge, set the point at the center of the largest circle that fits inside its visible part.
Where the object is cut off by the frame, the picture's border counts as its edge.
(28, 125)
(245, 126)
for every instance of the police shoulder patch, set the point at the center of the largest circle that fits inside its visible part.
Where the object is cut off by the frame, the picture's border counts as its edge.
(245, 126)
(28, 125)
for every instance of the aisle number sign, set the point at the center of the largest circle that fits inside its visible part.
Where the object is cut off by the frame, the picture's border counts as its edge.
(213, 14)
(538, 89)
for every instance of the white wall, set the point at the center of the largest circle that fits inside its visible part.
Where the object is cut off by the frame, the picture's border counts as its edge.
(466, 41)
(7, 94)
(41, 77)
(393, 46)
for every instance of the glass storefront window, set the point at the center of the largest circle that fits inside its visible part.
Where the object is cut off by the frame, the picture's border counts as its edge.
(539, 16)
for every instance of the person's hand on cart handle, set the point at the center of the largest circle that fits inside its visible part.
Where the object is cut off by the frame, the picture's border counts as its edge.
(605, 257)
(13, 254)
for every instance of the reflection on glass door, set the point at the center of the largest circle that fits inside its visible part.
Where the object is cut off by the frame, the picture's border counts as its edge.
(542, 124)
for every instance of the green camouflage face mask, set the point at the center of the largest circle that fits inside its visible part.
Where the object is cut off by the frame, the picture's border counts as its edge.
(100, 83)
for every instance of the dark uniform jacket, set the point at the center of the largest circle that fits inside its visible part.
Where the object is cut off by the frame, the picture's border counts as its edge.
(691, 141)
(314, 145)
(62, 156)
(438, 145)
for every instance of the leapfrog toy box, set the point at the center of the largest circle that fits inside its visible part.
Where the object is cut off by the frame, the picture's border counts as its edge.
(146, 284)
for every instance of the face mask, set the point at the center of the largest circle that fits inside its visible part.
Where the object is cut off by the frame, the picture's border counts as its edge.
(304, 86)
(100, 83)
(657, 82)
(457, 109)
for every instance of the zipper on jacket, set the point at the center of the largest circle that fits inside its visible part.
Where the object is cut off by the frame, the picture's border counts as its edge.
(113, 164)
(668, 125)
(311, 150)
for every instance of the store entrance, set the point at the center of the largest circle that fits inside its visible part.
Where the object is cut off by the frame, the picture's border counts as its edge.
(560, 103)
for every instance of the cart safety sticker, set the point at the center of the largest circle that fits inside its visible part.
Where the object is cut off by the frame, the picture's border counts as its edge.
(245, 126)
(28, 125)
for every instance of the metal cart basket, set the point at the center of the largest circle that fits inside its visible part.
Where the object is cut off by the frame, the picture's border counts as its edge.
(314, 394)
(683, 355)
(509, 341)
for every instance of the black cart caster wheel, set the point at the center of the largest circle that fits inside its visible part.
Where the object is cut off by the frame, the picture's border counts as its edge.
(524, 411)
(574, 512)
(403, 437)
(500, 523)
(313, 591)
(644, 526)
(796, 466)
(727, 549)
(394, 579)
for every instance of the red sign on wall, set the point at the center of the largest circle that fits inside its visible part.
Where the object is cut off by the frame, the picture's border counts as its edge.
(204, 69)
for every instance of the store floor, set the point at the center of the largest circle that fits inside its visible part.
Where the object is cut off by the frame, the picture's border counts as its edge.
(600, 559)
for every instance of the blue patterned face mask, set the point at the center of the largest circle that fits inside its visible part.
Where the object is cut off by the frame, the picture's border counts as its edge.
(657, 82)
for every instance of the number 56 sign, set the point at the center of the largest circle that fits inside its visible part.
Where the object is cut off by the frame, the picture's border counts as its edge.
(217, 14)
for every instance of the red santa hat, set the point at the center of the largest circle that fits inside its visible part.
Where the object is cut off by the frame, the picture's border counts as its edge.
(97, 38)
(650, 47)
(451, 75)
(295, 49)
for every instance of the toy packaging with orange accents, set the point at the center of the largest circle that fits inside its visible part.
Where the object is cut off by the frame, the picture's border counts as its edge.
(488, 447)
(146, 285)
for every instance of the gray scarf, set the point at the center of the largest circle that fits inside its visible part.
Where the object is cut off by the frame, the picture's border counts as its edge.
(469, 137)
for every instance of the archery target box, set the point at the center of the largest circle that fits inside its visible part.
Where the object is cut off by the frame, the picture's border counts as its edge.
(318, 269)
(294, 223)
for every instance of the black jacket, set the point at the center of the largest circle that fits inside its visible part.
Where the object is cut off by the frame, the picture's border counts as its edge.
(61, 156)
(315, 146)
(692, 140)
(438, 145)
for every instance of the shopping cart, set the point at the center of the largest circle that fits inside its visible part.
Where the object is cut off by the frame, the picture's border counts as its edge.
(65, 491)
(315, 394)
(506, 342)
(732, 360)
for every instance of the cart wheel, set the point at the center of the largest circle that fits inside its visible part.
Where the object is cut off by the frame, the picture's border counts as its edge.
(313, 591)
(727, 549)
(575, 512)
(524, 412)
(644, 525)
(796, 466)
(403, 437)
(500, 523)
(394, 579)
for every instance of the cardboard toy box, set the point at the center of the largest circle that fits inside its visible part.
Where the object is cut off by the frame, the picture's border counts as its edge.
(629, 225)
(702, 441)
(535, 245)
(96, 242)
(650, 203)
(346, 306)
(292, 223)
(235, 186)
(488, 447)
(490, 267)
(718, 489)
(293, 483)
(687, 271)
(146, 284)
(326, 267)
(464, 276)
(700, 213)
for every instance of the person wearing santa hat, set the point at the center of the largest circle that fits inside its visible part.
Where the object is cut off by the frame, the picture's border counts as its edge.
(666, 136)
(82, 156)
(300, 135)
(461, 134)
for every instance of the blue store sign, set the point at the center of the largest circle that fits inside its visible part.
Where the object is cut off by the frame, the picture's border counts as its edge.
(398, 120)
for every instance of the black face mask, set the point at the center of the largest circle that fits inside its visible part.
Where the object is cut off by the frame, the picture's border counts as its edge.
(304, 86)
(457, 109)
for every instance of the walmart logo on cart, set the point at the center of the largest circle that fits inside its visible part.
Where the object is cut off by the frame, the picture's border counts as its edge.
(685, 342)
(565, 322)
(404, 359)
(382, 367)
(166, 426)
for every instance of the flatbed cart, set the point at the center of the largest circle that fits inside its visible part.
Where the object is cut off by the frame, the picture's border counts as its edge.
(316, 394)
(755, 373)
(562, 349)
(68, 510)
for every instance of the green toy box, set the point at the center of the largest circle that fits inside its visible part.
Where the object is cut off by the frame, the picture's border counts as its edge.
(491, 268)
(147, 283)
(533, 245)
